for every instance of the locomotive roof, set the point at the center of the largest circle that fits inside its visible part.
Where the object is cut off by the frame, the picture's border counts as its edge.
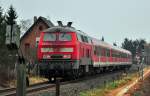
(64, 29)
(60, 29)
(121, 49)
(95, 41)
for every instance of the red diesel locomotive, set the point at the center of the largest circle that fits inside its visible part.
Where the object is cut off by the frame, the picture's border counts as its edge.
(64, 51)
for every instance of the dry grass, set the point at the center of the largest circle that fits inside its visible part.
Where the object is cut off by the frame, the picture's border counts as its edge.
(37, 79)
(32, 80)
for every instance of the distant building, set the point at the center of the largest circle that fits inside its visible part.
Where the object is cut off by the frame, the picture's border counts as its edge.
(147, 53)
(30, 39)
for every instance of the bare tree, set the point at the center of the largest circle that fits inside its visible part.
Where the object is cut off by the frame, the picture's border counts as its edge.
(25, 25)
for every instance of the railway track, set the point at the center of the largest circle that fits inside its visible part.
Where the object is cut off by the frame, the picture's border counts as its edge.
(30, 89)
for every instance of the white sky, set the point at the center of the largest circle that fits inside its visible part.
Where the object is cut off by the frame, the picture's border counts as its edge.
(113, 19)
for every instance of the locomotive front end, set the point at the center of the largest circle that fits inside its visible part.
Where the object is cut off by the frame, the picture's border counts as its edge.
(57, 52)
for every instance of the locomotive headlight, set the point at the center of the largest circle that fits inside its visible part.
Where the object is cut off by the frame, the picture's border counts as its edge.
(46, 49)
(46, 56)
(68, 56)
(66, 50)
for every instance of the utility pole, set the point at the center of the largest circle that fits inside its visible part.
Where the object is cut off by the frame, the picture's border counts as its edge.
(12, 42)
(140, 62)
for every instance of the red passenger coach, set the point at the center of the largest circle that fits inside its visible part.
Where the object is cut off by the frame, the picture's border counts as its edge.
(64, 51)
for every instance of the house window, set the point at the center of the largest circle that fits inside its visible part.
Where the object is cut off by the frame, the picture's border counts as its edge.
(37, 41)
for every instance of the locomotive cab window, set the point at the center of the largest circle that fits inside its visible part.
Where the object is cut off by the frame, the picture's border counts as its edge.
(107, 52)
(49, 37)
(79, 37)
(85, 39)
(65, 37)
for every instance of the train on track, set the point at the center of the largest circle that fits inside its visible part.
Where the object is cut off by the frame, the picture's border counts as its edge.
(67, 52)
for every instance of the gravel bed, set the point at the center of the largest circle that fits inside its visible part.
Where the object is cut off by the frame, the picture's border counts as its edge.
(74, 89)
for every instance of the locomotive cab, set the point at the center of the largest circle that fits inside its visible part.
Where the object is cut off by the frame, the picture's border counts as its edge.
(57, 51)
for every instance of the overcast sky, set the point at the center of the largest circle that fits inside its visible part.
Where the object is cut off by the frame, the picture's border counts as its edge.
(113, 19)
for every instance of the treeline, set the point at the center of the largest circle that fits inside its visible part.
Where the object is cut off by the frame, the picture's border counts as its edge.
(134, 46)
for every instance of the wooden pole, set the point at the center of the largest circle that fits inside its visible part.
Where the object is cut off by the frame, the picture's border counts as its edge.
(57, 86)
(21, 78)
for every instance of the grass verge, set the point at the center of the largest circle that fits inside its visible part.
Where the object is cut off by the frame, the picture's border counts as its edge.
(102, 91)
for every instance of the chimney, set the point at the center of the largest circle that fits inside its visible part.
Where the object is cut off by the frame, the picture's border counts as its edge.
(60, 23)
(69, 24)
(35, 19)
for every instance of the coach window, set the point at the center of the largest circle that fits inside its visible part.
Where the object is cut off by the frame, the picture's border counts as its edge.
(112, 53)
(85, 39)
(126, 55)
(99, 51)
(95, 50)
(116, 54)
(121, 55)
(104, 52)
(108, 52)
(87, 52)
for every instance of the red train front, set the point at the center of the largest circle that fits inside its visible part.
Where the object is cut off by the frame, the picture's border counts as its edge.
(58, 52)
